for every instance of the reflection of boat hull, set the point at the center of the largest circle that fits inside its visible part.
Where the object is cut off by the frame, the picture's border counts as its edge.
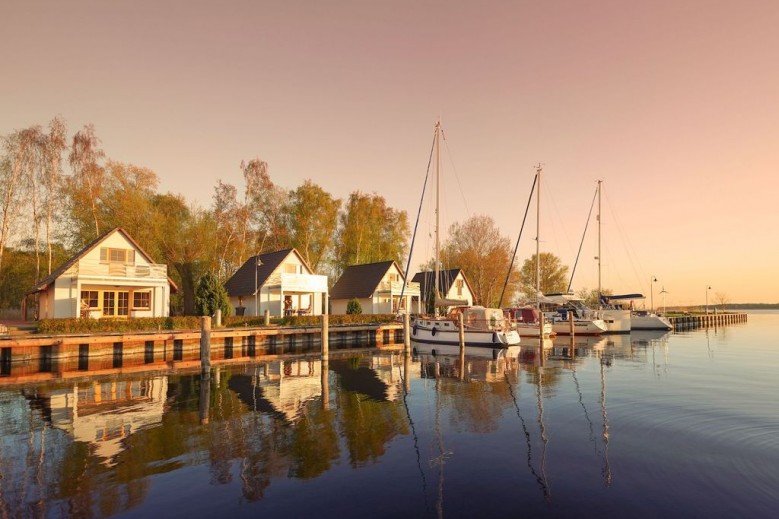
(647, 321)
(508, 352)
(445, 331)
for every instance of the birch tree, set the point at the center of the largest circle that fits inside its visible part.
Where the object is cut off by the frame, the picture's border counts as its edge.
(19, 147)
(87, 180)
(56, 144)
(313, 217)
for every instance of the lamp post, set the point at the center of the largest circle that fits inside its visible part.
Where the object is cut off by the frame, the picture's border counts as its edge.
(708, 287)
(257, 265)
(652, 294)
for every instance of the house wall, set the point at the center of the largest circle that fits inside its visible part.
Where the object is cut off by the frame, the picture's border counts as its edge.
(466, 292)
(291, 278)
(63, 298)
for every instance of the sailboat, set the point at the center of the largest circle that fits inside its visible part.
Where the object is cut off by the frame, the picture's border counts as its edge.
(483, 327)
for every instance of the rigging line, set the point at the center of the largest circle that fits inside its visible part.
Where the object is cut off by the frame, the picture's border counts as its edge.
(539, 479)
(514, 255)
(629, 250)
(416, 225)
(573, 270)
(403, 378)
(456, 176)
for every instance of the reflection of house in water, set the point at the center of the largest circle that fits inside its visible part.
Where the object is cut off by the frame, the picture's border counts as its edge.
(282, 388)
(104, 413)
(475, 369)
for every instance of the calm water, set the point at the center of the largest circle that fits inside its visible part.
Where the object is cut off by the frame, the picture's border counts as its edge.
(651, 425)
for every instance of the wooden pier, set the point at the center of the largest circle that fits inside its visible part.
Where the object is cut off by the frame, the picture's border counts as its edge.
(693, 322)
(61, 356)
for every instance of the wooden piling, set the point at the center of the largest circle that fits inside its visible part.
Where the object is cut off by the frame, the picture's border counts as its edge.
(205, 344)
(570, 323)
(406, 332)
(325, 335)
(267, 317)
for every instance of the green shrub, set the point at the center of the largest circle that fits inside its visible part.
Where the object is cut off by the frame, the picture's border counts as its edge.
(353, 307)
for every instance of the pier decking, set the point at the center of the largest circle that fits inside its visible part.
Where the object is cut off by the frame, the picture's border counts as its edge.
(692, 322)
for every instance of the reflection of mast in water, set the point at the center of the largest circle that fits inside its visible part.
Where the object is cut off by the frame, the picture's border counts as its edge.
(406, 390)
(541, 481)
(586, 414)
(606, 465)
(542, 427)
(443, 454)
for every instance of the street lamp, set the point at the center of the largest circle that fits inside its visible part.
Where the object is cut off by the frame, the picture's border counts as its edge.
(652, 294)
(664, 292)
(257, 265)
(708, 287)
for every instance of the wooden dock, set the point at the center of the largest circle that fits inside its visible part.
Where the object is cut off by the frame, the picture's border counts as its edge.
(693, 322)
(61, 356)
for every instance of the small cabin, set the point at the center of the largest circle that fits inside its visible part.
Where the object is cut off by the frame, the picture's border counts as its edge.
(280, 282)
(452, 285)
(379, 287)
(112, 277)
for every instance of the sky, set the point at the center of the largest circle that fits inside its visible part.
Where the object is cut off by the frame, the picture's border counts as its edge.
(673, 104)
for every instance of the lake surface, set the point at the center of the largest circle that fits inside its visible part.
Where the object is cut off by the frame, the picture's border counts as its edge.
(643, 425)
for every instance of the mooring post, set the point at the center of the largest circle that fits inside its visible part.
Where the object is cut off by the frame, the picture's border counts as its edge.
(325, 335)
(406, 332)
(570, 322)
(461, 325)
(267, 317)
(205, 344)
(218, 318)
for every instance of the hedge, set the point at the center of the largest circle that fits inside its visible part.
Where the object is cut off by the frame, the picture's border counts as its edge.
(151, 324)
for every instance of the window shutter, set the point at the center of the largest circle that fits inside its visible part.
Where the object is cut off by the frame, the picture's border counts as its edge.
(131, 257)
(103, 255)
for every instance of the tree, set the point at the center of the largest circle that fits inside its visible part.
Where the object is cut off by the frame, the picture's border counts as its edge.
(353, 307)
(553, 275)
(721, 299)
(19, 149)
(477, 247)
(231, 219)
(266, 203)
(211, 295)
(591, 297)
(56, 144)
(86, 183)
(313, 217)
(369, 231)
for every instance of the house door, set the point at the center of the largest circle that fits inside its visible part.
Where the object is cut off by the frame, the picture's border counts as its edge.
(116, 304)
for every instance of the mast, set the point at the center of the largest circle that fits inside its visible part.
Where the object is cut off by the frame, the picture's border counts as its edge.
(538, 235)
(437, 194)
(599, 269)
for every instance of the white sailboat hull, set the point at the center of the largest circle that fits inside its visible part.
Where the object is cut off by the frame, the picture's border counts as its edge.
(617, 321)
(649, 322)
(580, 327)
(531, 329)
(446, 331)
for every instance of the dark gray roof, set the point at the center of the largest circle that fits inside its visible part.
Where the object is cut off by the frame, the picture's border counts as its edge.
(45, 282)
(242, 283)
(360, 281)
(445, 278)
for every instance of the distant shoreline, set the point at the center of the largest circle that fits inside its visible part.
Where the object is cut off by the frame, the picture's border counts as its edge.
(730, 306)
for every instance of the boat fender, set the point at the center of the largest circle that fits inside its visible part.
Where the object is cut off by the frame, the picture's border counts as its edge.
(495, 337)
(434, 331)
(414, 330)
(432, 352)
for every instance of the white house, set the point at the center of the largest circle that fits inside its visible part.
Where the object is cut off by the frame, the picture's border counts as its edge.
(378, 288)
(452, 285)
(280, 282)
(111, 277)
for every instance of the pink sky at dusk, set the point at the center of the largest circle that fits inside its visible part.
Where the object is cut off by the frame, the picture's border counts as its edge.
(673, 104)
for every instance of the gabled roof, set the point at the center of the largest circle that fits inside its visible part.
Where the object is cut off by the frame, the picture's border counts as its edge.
(445, 279)
(242, 283)
(360, 281)
(45, 282)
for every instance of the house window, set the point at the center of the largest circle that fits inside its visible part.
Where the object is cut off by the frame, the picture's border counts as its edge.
(393, 278)
(124, 256)
(291, 268)
(141, 300)
(90, 298)
(459, 284)
(116, 304)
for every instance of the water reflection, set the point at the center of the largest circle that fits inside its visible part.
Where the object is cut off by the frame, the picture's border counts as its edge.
(553, 425)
